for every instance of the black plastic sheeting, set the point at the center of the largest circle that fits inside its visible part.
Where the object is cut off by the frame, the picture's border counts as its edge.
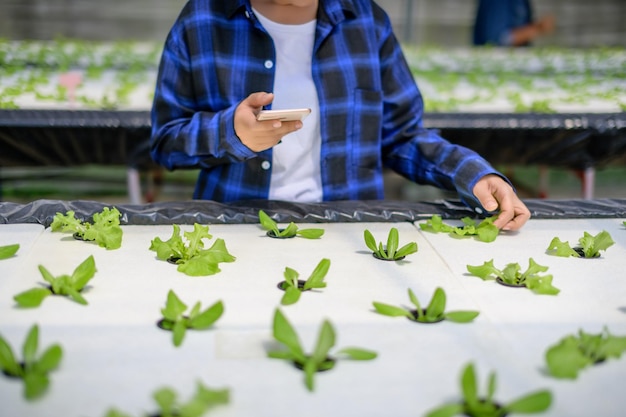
(210, 212)
(73, 138)
(79, 137)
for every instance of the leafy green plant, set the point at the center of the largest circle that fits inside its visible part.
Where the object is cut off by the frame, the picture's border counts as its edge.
(105, 230)
(169, 405)
(189, 254)
(66, 285)
(391, 251)
(293, 287)
(573, 353)
(434, 312)
(474, 405)
(317, 361)
(33, 369)
(511, 275)
(590, 246)
(485, 230)
(8, 251)
(175, 321)
(291, 230)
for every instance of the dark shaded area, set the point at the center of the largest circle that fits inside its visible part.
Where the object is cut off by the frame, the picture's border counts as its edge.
(71, 138)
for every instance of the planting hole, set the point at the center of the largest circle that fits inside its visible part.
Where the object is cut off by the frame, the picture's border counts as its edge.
(507, 284)
(282, 285)
(327, 365)
(78, 236)
(273, 235)
(10, 375)
(581, 252)
(415, 319)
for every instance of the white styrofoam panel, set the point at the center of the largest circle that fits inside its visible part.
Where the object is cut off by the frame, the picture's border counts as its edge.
(23, 234)
(115, 356)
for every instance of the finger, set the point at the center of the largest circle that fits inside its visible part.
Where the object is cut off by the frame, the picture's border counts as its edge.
(486, 198)
(521, 214)
(259, 99)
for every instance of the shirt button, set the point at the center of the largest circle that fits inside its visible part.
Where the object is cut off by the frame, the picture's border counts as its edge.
(269, 64)
(266, 165)
(247, 13)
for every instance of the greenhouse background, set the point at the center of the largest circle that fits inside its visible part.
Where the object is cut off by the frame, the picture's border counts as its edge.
(440, 26)
(580, 23)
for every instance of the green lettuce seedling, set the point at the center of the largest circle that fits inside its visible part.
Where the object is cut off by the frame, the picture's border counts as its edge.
(433, 313)
(573, 353)
(33, 369)
(169, 405)
(66, 285)
(293, 287)
(512, 275)
(319, 360)
(189, 254)
(290, 231)
(105, 230)
(178, 323)
(8, 251)
(474, 405)
(485, 231)
(589, 245)
(391, 251)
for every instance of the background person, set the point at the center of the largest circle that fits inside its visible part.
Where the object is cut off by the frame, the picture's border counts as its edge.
(508, 23)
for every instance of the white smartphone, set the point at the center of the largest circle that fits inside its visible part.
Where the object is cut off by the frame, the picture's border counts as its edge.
(283, 115)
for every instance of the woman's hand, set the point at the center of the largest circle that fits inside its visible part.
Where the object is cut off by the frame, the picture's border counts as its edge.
(496, 194)
(260, 135)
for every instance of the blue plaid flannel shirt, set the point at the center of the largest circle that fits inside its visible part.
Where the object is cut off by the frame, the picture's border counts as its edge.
(217, 53)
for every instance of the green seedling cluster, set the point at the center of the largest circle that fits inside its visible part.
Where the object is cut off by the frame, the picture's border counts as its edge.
(292, 286)
(8, 251)
(474, 405)
(319, 359)
(590, 245)
(485, 230)
(392, 251)
(66, 285)
(33, 369)
(168, 404)
(576, 352)
(512, 275)
(27, 67)
(434, 312)
(189, 254)
(105, 230)
(291, 230)
(197, 319)
(537, 80)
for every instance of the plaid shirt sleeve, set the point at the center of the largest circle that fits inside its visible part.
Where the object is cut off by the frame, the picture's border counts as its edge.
(217, 53)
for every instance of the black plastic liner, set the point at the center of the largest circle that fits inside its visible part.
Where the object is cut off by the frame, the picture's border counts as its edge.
(210, 212)
(74, 138)
(78, 137)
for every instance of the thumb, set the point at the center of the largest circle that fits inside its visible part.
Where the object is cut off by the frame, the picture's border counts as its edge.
(259, 99)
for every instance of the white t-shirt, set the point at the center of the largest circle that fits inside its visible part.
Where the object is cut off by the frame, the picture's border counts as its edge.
(296, 160)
